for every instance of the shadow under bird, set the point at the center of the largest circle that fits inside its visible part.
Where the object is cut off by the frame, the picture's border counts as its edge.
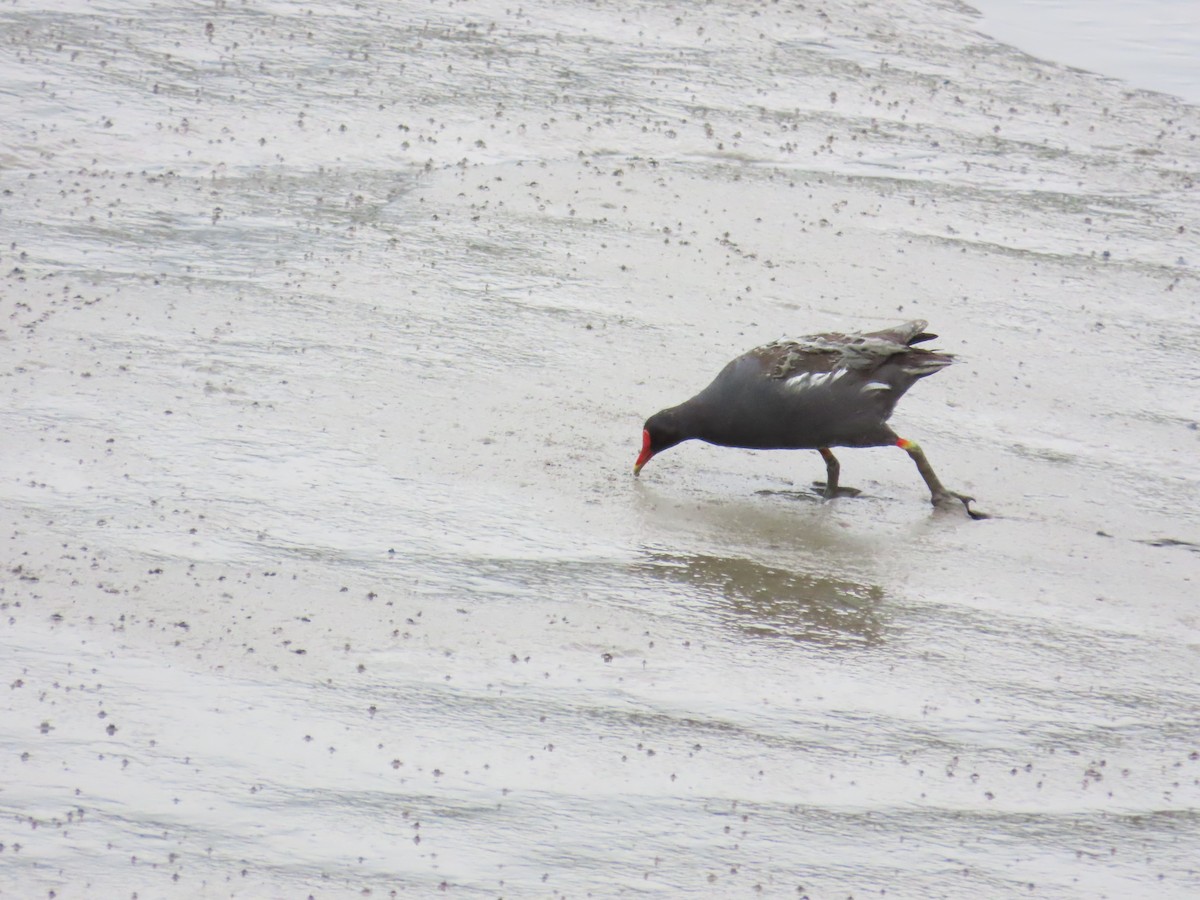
(812, 393)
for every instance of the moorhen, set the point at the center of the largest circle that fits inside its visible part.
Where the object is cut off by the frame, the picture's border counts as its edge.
(813, 393)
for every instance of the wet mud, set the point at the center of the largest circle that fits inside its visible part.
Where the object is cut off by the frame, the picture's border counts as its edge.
(328, 334)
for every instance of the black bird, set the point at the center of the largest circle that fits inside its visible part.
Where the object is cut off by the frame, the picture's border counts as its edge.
(813, 393)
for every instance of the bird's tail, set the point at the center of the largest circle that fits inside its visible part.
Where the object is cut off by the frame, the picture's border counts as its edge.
(908, 334)
(919, 363)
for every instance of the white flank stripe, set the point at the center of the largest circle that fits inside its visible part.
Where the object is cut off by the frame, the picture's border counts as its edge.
(808, 380)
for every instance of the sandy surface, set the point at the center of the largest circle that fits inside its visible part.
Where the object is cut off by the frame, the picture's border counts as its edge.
(327, 337)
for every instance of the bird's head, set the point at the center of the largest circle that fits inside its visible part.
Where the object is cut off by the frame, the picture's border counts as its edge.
(662, 430)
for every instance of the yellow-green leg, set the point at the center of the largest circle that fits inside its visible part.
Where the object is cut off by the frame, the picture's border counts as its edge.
(833, 469)
(939, 495)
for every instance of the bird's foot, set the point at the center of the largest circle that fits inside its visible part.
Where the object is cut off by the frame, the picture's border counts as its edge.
(838, 491)
(952, 502)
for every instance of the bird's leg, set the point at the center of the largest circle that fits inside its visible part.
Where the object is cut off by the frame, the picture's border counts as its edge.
(939, 496)
(833, 469)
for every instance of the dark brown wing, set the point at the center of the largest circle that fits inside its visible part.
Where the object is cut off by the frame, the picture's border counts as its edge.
(828, 352)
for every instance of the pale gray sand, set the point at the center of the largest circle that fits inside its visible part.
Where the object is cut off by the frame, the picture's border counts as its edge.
(327, 340)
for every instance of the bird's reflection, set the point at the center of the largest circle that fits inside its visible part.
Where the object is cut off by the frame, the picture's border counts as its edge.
(763, 601)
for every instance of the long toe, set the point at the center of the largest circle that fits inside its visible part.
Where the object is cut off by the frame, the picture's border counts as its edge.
(953, 502)
(823, 489)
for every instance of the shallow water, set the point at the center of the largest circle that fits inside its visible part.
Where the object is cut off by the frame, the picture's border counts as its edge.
(328, 335)
(1151, 46)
